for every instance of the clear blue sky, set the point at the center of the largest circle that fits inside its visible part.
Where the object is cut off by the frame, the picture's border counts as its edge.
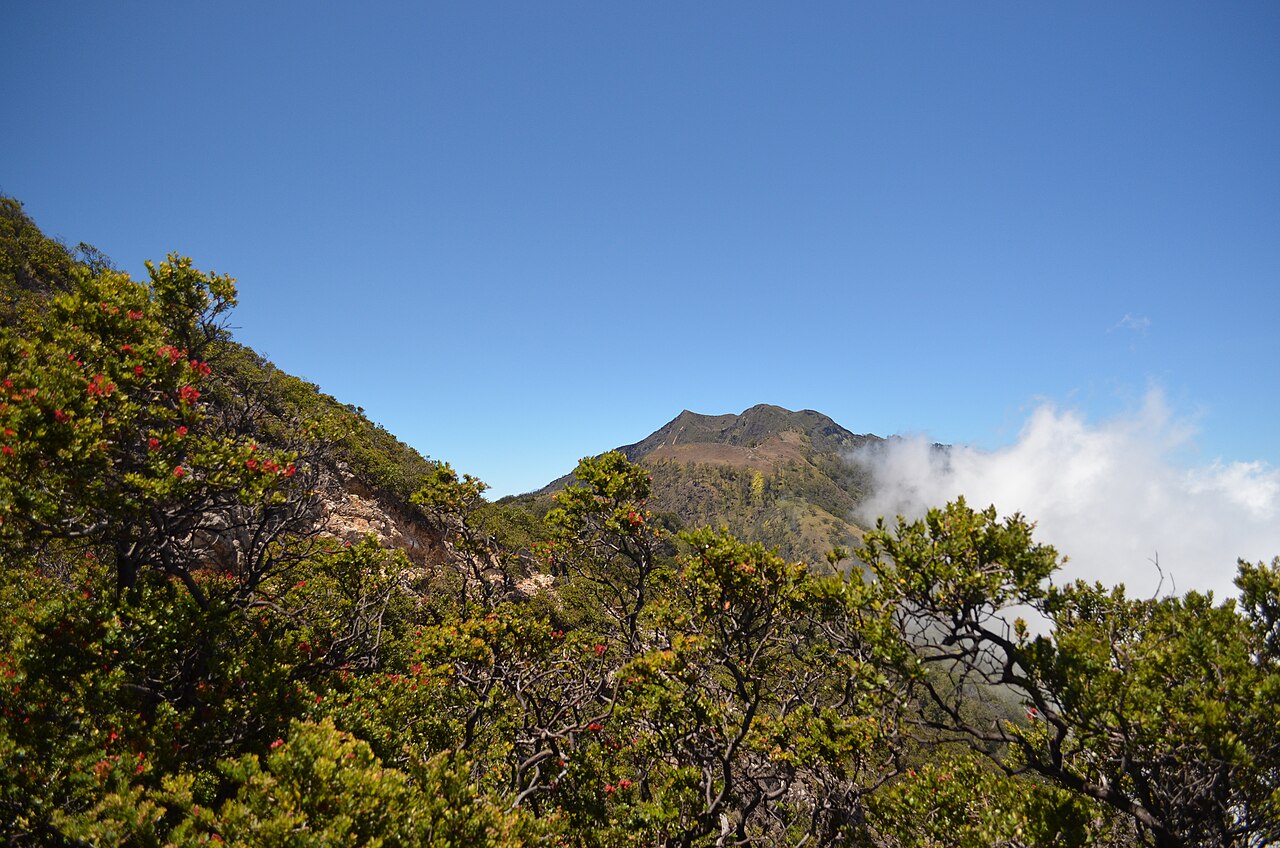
(517, 233)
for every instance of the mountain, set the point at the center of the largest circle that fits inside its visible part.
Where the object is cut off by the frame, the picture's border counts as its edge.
(791, 480)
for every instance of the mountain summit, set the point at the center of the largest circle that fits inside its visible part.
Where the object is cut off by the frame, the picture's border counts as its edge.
(788, 479)
(751, 438)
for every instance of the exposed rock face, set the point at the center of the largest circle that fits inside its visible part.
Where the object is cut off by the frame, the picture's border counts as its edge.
(351, 511)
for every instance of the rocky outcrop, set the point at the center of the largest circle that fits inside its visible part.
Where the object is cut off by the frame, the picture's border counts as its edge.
(352, 511)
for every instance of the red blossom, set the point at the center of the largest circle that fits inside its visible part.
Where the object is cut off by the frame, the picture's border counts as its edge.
(595, 727)
(179, 471)
(291, 470)
(138, 370)
(153, 444)
(600, 649)
(189, 394)
(624, 784)
(100, 385)
(124, 348)
(251, 464)
(134, 315)
(277, 744)
(609, 789)
(59, 415)
(8, 451)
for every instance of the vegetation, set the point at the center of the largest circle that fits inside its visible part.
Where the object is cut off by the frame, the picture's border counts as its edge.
(187, 658)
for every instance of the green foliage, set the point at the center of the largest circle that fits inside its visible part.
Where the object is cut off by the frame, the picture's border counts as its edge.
(956, 799)
(32, 266)
(106, 439)
(604, 535)
(1162, 709)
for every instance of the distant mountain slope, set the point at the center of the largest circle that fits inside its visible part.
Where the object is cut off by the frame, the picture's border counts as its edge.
(787, 479)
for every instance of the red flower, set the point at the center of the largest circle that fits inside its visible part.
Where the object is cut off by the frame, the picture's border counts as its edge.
(189, 394)
(595, 727)
(182, 430)
(126, 348)
(251, 464)
(138, 370)
(277, 744)
(609, 789)
(624, 784)
(291, 470)
(201, 368)
(134, 315)
(100, 385)
(8, 451)
(59, 415)
(600, 649)
(179, 471)
(153, 444)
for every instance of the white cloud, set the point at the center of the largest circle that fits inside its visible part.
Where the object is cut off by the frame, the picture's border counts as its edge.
(1112, 496)
(1138, 323)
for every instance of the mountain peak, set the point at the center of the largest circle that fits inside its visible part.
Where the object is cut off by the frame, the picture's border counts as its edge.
(750, 428)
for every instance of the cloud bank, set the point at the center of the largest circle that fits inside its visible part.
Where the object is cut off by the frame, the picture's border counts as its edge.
(1111, 496)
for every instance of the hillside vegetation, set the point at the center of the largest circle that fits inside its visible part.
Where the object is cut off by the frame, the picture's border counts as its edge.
(190, 655)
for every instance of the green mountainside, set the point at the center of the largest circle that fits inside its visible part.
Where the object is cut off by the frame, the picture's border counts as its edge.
(791, 480)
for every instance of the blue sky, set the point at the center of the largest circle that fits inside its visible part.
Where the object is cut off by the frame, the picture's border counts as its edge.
(519, 233)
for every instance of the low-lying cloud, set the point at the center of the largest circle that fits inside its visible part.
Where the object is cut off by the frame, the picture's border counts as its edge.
(1113, 496)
